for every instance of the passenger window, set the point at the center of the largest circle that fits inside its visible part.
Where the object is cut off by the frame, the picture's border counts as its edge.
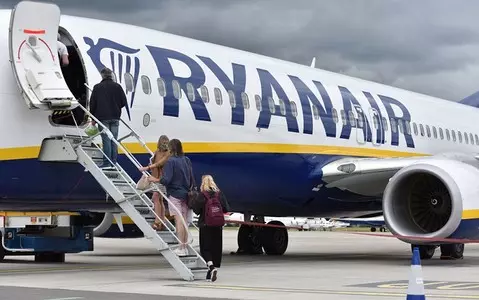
(352, 120)
(343, 116)
(245, 100)
(218, 96)
(231, 95)
(393, 125)
(466, 138)
(448, 135)
(334, 113)
(282, 107)
(294, 109)
(204, 94)
(161, 87)
(476, 138)
(408, 127)
(257, 99)
(415, 128)
(459, 136)
(360, 120)
(421, 128)
(471, 138)
(129, 82)
(428, 131)
(272, 107)
(441, 133)
(434, 131)
(400, 125)
(176, 89)
(190, 92)
(385, 124)
(375, 121)
(315, 112)
(145, 84)
(453, 133)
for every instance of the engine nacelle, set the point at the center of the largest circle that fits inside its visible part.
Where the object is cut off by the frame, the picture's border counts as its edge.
(105, 226)
(428, 199)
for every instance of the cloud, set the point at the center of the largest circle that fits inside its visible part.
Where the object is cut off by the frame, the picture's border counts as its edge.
(430, 46)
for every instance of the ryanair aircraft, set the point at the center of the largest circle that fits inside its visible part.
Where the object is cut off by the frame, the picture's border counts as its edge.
(281, 139)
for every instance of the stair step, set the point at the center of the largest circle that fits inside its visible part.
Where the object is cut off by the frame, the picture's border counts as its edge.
(168, 237)
(190, 261)
(138, 206)
(199, 273)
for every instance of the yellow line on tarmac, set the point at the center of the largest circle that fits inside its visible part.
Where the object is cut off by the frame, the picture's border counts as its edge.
(75, 268)
(331, 292)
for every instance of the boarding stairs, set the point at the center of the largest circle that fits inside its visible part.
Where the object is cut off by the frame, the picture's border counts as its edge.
(122, 188)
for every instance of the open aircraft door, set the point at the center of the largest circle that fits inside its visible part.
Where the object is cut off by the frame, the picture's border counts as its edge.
(34, 56)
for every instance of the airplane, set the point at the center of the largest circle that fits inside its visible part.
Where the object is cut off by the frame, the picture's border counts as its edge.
(280, 138)
(373, 222)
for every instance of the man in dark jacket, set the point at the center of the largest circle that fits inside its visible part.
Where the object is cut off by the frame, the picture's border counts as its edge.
(106, 101)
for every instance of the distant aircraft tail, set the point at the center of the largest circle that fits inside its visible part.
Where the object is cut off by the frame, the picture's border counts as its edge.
(472, 100)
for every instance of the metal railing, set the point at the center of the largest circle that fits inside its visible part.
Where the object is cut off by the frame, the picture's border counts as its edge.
(146, 200)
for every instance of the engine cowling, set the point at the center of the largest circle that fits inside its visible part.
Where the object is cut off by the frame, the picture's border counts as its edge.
(427, 199)
(103, 222)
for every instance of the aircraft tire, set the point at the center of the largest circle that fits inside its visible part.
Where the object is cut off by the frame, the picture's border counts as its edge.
(275, 240)
(249, 240)
(452, 251)
(50, 257)
(425, 251)
(373, 229)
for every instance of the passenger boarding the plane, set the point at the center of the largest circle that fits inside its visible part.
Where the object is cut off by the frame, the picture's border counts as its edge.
(177, 178)
(62, 51)
(106, 101)
(210, 206)
(159, 159)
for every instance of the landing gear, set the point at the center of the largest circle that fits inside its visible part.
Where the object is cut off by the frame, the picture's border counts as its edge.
(452, 251)
(253, 239)
(275, 239)
(448, 251)
(425, 251)
(50, 257)
(249, 240)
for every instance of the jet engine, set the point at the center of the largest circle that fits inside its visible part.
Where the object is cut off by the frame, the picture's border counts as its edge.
(102, 222)
(427, 199)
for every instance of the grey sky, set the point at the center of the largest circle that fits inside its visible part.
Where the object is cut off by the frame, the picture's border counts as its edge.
(428, 46)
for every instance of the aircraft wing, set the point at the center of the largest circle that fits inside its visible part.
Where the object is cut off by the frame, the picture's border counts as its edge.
(369, 176)
(364, 176)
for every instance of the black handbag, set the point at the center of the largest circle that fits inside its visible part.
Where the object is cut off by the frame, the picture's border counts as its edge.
(193, 191)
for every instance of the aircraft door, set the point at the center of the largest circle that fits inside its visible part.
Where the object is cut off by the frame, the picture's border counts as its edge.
(33, 56)
(377, 132)
(361, 132)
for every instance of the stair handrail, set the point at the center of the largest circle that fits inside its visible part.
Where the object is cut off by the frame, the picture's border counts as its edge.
(142, 143)
(138, 165)
(131, 157)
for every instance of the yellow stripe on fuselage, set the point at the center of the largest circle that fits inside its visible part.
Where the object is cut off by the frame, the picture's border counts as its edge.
(36, 213)
(33, 152)
(470, 214)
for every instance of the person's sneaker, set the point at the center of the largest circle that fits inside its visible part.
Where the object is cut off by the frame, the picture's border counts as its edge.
(214, 273)
(210, 268)
(208, 275)
(180, 252)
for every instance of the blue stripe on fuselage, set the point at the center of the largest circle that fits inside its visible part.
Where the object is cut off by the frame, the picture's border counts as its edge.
(270, 184)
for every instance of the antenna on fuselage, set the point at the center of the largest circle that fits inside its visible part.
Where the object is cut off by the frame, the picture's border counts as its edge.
(313, 63)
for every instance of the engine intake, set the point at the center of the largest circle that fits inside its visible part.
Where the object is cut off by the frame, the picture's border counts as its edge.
(426, 199)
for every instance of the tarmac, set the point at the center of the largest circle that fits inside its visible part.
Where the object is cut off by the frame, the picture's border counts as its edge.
(317, 265)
